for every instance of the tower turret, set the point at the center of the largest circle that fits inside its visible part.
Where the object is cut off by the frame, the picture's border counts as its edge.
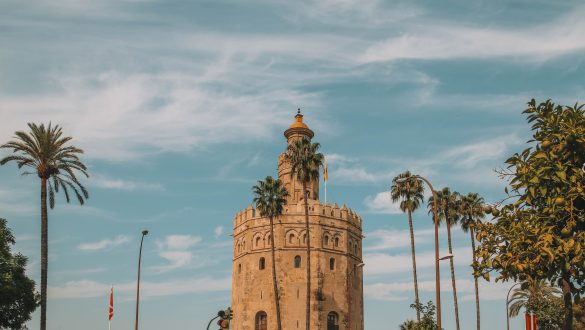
(297, 130)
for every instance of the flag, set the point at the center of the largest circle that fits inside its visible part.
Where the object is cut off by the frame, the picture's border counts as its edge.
(111, 309)
(325, 175)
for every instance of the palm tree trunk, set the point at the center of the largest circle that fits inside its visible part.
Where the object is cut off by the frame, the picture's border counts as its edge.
(568, 302)
(308, 306)
(477, 319)
(44, 252)
(453, 274)
(276, 295)
(416, 301)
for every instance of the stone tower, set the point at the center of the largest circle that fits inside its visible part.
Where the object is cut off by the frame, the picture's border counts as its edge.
(336, 260)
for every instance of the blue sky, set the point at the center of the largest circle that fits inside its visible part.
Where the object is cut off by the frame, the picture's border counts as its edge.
(180, 107)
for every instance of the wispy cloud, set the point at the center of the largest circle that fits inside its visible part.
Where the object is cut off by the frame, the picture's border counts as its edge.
(104, 244)
(397, 291)
(439, 41)
(384, 239)
(105, 182)
(218, 231)
(175, 249)
(381, 263)
(84, 289)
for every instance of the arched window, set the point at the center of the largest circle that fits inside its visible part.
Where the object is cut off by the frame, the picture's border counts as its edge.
(258, 241)
(291, 238)
(297, 261)
(262, 263)
(239, 268)
(332, 264)
(268, 240)
(332, 321)
(336, 242)
(261, 321)
(326, 240)
(305, 238)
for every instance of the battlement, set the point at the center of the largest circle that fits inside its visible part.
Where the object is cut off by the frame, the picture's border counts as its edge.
(315, 208)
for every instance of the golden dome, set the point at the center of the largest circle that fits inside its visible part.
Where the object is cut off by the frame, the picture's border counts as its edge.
(299, 121)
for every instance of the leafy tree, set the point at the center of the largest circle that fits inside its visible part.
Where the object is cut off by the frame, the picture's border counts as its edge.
(44, 150)
(427, 321)
(448, 204)
(472, 211)
(541, 299)
(270, 198)
(540, 233)
(579, 315)
(18, 299)
(305, 161)
(410, 195)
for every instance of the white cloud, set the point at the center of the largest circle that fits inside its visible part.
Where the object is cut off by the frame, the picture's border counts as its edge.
(439, 41)
(175, 249)
(83, 289)
(103, 181)
(218, 231)
(178, 242)
(382, 203)
(104, 244)
(470, 155)
(127, 116)
(381, 263)
(382, 239)
(396, 291)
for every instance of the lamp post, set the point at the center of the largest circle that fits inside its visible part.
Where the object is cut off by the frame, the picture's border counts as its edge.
(436, 221)
(349, 273)
(144, 233)
(507, 305)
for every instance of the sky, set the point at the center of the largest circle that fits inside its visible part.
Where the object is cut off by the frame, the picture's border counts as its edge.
(180, 107)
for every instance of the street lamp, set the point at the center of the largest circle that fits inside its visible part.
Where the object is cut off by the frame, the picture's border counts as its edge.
(507, 305)
(144, 233)
(349, 273)
(436, 221)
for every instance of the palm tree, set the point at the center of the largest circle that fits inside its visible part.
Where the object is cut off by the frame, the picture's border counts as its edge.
(522, 296)
(305, 161)
(471, 213)
(44, 150)
(270, 198)
(410, 195)
(409, 325)
(448, 211)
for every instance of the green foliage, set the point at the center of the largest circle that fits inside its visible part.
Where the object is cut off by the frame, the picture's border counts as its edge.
(18, 298)
(44, 151)
(305, 160)
(579, 315)
(427, 321)
(270, 197)
(539, 298)
(540, 232)
(448, 206)
(409, 193)
(471, 211)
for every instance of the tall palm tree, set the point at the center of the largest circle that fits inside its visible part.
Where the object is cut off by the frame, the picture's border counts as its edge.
(44, 150)
(471, 213)
(410, 195)
(305, 161)
(529, 290)
(448, 211)
(270, 198)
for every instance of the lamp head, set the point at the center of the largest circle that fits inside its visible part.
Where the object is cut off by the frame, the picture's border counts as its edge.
(448, 256)
(144, 232)
(361, 264)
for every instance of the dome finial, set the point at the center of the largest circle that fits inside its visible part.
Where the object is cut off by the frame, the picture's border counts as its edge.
(299, 111)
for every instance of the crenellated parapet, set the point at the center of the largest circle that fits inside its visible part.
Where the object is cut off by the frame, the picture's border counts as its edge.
(343, 214)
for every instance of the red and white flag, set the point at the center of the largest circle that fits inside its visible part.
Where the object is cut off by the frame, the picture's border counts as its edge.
(111, 309)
